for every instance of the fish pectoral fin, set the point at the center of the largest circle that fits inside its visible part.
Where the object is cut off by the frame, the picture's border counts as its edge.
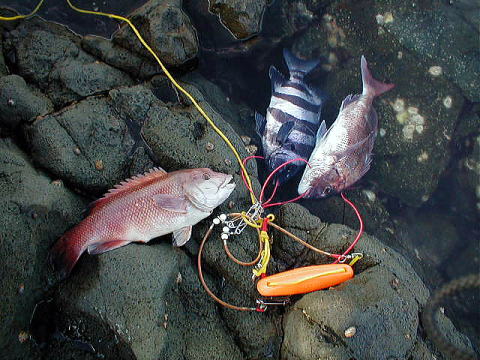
(277, 78)
(100, 248)
(284, 131)
(260, 123)
(174, 203)
(181, 236)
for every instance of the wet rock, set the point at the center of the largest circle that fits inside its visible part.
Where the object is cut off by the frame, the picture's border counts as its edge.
(20, 103)
(419, 234)
(257, 333)
(204, 333)
(178, 135)
(73, 80)
(236, 114)
(242, 18)
(471, 169)
(469, 121)
(49, 56)
(442, 37)
(36, 45)
(165, 28)
(3, 67)
(385, 297)
(285, 18)
(376, 217)
(119, 57)
(162, 315)
(413, 126)
(92, 299)
(70, 143)
(35, 212)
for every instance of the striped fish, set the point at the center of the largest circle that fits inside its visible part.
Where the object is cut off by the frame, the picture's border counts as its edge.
(293, 118)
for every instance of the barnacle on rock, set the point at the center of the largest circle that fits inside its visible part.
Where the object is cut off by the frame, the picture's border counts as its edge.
(408, 116)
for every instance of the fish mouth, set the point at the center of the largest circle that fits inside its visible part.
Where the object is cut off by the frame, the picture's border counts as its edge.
(227, 183)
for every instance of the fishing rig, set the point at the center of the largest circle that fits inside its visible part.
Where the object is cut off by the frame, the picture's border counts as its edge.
(274, 289)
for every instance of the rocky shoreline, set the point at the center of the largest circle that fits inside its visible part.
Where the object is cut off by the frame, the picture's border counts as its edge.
(78, 114)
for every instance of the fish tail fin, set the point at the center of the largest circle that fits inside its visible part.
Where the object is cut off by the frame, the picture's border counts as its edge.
(65, 253)
(370, 85)
(298, 66)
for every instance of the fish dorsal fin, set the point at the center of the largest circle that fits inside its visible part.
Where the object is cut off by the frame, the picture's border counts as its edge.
(322, 130)
(277, 77)
(260, 123)
(128, 185)
(348, 100)
(284, 131)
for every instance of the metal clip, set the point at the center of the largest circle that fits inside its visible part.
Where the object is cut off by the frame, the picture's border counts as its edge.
(354, 256)
(238, 224)
(262, 304)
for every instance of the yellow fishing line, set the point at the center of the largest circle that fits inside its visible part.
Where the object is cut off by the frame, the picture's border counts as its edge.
(18, 17)
(177, 85)
(164, 69)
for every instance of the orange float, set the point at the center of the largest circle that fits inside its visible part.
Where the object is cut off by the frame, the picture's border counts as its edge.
(304, 280)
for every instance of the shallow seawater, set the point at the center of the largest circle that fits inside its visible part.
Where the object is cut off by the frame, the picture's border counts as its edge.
(433, 215)
(59, 11)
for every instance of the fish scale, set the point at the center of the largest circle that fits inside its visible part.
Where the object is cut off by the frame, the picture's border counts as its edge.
(292, 119)
(342, 155)
(143, 208)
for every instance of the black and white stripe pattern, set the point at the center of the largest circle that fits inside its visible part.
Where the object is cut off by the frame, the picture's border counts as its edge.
(293, 116)
(294, 101)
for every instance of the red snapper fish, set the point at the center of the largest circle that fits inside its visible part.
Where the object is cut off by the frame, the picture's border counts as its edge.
(142, 208)
(343, 154)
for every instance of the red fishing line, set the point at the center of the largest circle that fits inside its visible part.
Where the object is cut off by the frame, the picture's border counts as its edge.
(360, 232)
(269, 178)
(243, 175)
(277, 183)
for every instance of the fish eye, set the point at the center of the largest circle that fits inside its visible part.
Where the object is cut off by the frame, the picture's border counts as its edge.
(206, 176)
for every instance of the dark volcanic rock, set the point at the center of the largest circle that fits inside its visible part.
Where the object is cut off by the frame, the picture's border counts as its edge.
(165, 28)
(19, 103)
(35, 212)
(3, 67)
(374, 213)
(416, 122)
(119, 57)
(382, 302)
(242, 18)
(36, 46)
(441, 36)
(85, 144)
(157, 310)
(74, 80)
(169, 128)
(49, 56)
